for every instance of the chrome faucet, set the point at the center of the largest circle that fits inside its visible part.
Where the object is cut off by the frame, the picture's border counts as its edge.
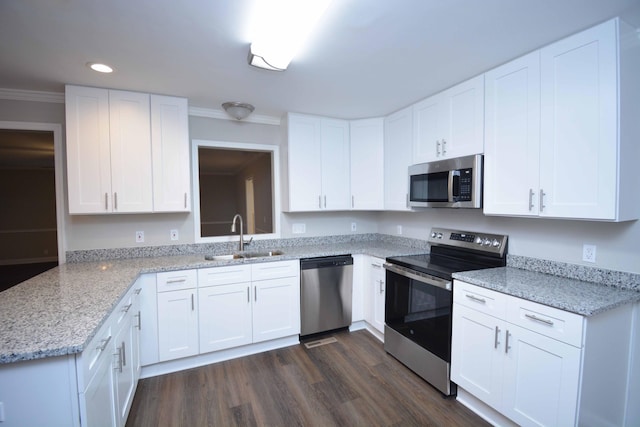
(233, 230)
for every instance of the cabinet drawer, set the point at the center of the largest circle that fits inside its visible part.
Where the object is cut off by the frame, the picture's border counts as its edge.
(274, 270)
(176, 280)
(98, 348)
(478, 298)
(552, 322)
(122, 310)
(226, 275)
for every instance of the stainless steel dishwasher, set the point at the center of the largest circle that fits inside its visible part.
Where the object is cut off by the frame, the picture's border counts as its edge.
(325, 293)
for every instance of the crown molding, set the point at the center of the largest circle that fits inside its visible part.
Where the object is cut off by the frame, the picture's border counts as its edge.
(222, 115)
(32, 95)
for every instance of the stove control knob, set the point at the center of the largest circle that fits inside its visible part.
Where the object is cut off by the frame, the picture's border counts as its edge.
(439, 235)
(433, 234)
(478, 240)
(495, 243)
(486, 242)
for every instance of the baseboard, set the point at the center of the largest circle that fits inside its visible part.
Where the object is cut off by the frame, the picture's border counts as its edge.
(177, 365)
(484, 411)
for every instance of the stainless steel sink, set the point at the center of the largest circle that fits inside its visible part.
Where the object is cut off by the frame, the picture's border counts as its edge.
(243, 255)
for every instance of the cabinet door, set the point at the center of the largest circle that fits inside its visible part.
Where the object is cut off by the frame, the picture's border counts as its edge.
(148, 320)
(170, 148)
(124, 371)
(428, 129)
(131, 175)
(464, 124)
(305, 168)
(477, 347)
(335, 160)
(276, 308)
(398, 140)
(541, 379)
(225, 316)
(378, 289)
(367, 164)
(177, 324)
(512, 137)
(99, 399)
(579, 125)
(88, 150)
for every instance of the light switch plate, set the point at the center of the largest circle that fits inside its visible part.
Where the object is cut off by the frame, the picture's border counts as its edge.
(299, 228)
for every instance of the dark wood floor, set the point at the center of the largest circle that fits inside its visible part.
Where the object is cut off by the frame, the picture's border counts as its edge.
(352, 382)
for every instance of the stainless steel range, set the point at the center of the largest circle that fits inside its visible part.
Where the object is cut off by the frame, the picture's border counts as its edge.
(419, 299)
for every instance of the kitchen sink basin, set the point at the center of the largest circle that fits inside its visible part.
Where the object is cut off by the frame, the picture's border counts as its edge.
(243, 255)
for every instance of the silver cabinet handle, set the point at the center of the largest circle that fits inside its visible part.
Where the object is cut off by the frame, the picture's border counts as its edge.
(542, 194)
(192, 303)
(103, 344)
(438, 148)
(506, 344)
(407, 198)
(476, 299)
(185, 200)
(126, 308)
(320, 201)
(118, 366)
(531, 194)
(124, 355)
(139, 316)
(137, 291)
(376, 265)
(325, 201)
(255, 293)
(495, 340)
(176, 280)
(115, 201)
(381, 282)
(444, 147)
(539, 319)
(106, 201)
(248, 292)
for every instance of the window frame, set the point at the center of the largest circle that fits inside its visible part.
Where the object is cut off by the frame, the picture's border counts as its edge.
(195, 176)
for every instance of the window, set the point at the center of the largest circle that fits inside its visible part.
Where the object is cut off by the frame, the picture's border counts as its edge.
(235, 178)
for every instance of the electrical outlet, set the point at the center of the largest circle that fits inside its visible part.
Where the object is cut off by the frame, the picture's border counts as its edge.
(589, 253)
(299, 228)
(399, 229)
(139, 236)
(353, 226)
(174, 234)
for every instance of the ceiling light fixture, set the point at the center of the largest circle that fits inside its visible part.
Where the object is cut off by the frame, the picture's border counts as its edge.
(238, 110)
(280, 27)
(101, 68)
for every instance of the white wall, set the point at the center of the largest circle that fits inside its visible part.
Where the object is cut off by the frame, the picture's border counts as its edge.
(618, 244)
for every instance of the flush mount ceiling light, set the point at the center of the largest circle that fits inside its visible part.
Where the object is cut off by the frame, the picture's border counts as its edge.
(99, 67)
(279, 29)
(238, 110)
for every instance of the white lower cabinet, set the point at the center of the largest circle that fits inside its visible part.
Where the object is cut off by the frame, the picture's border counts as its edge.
(177, 314)
(537, 365)
(375, 293)
(276, 308)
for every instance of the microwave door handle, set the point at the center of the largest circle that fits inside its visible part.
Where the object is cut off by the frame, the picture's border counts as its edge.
(454, 185)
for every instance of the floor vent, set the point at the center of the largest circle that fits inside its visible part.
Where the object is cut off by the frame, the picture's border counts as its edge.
(318, 343)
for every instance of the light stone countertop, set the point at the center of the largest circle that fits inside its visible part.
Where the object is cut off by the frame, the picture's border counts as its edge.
(57, 312)
(576, 296)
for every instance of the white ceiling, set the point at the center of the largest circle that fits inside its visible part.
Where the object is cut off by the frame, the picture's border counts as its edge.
(368, 58)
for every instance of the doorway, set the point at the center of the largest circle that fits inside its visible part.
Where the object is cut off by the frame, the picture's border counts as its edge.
(30, 172)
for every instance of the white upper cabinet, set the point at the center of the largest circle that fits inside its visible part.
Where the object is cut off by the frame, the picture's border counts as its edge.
(451, 123)
(110, 168)
(318, 164)
(170, 148)
(398, 131)
(512, 137)
(367, 164)
(583, 168)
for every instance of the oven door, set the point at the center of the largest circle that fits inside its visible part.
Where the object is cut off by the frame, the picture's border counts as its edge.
(419, 307)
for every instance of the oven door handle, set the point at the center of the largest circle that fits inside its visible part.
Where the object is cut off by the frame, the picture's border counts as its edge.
(416, 275)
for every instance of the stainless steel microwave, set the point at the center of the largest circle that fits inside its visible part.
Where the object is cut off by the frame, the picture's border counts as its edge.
(451, 183)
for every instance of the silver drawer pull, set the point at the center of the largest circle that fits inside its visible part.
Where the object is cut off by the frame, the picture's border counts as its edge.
(104, 343)
(176, 280)
(126, 308)
(476, 299)
(495, 339)
(539, 319)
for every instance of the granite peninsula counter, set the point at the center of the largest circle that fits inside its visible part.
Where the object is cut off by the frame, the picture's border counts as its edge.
(57, 312)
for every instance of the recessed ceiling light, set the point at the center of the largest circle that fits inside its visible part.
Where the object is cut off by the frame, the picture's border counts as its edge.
(101, 68)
